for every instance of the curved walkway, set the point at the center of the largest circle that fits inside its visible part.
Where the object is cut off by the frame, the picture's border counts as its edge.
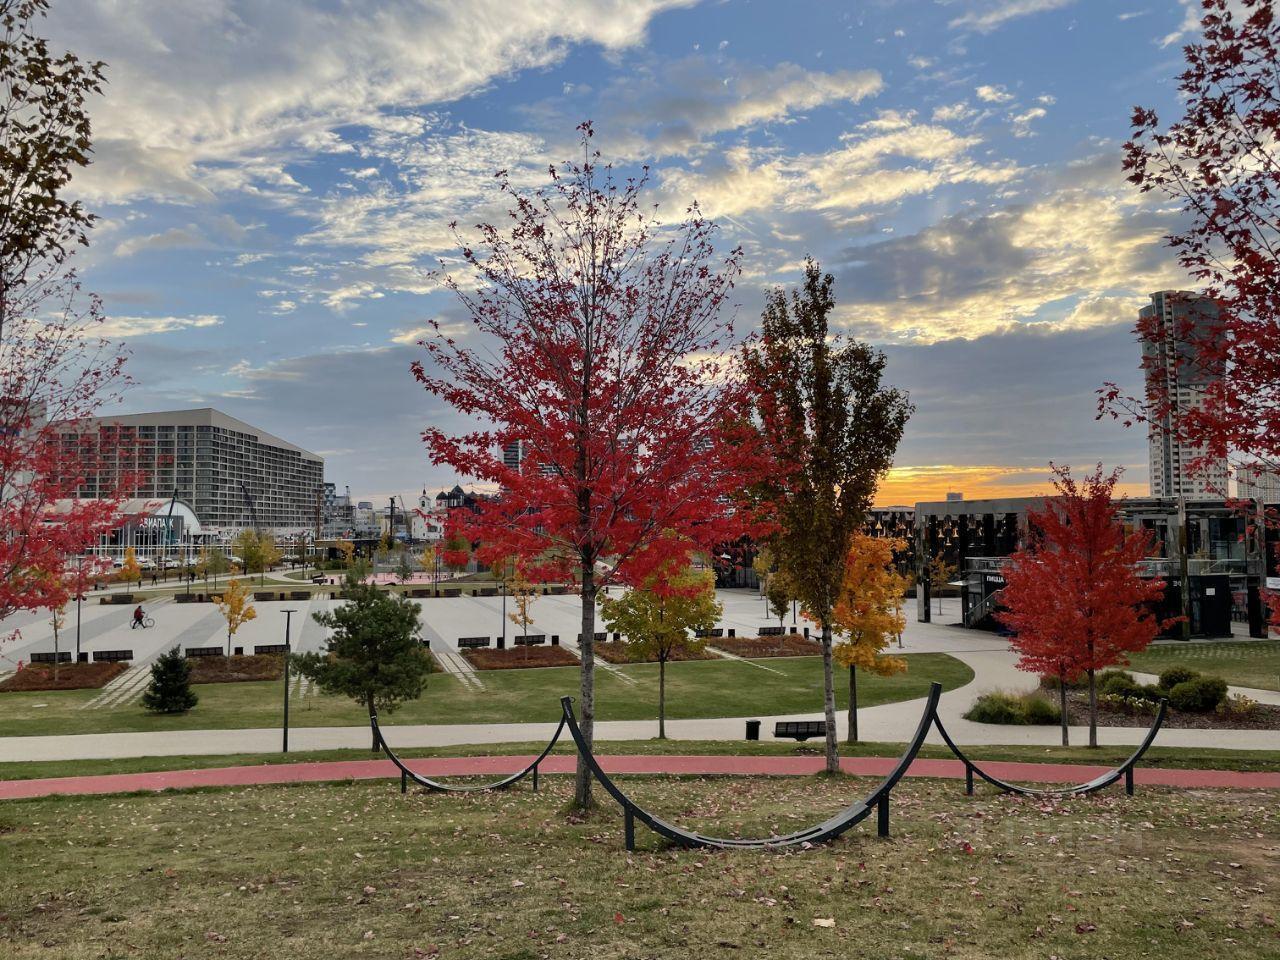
(619, 765)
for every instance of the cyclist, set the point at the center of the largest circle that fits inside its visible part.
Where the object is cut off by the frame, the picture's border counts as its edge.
(137, 618)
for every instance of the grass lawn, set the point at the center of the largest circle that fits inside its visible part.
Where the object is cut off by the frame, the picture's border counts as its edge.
(1183, 758)
(712, 688)
(357, 870)
(1249, 664)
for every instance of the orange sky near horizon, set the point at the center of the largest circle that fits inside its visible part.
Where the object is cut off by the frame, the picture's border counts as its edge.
(908, 486)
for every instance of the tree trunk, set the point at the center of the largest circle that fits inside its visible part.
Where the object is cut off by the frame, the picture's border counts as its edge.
(1093, 709)
(829, 701)
(662, 698)
(369, 703)
(587, 691)
(853, 704)
(1062, 705)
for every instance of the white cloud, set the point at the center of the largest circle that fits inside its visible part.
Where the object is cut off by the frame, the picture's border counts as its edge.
(992, 14)
(209, 95)
(175, 238)
(1022, 121)
(123, 328)
(1190, 24)
(989, 93)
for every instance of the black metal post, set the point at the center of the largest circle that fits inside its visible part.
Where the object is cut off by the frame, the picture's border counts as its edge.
(79, 598)
(968, 780)
(535, 778)
(882, 816)
(629, 827)
(288, 619)
(1128, 781)
(404, 782)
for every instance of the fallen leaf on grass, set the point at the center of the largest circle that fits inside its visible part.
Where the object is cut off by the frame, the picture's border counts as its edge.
(824, 921)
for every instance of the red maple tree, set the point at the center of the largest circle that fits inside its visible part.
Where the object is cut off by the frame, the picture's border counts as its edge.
(54, 373)
(55, 370)
(1220, 161)
(1073, 594)
(598, 342)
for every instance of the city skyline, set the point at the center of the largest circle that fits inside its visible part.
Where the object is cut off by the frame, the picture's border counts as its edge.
(265, 251)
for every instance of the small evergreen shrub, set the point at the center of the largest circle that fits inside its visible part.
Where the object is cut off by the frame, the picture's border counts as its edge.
(1053, 682)
(1176, 675)
(170, 687)
(1199, 695)
(1117, 684)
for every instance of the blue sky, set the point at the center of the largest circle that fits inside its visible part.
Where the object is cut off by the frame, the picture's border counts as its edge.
(275, 181)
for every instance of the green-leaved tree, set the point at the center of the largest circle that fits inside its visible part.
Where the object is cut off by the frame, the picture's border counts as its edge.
(656, 618)
(372, 654)
(831, 427)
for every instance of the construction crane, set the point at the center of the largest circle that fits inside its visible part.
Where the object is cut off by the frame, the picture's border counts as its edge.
(253, 514)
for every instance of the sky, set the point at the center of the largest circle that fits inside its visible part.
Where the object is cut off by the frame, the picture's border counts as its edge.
(275, 183)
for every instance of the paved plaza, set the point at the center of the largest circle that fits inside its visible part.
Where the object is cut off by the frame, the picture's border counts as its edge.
(444, 620)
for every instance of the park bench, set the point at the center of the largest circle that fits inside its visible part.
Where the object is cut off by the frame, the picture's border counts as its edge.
(772, 631)
(598, 637)
(276, 648)
(451, 592)
(799, 729)
(487, 592)
(112, 656)
(299, 594)
(319, 580)
(202, 652)
(184, 598)
(472, 643)
(709, 634)
(62, 656)
(532, 640)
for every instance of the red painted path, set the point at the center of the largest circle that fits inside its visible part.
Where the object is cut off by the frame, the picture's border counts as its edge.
(564, 763)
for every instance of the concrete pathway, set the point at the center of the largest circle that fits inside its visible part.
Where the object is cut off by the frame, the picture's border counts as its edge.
(258, 774)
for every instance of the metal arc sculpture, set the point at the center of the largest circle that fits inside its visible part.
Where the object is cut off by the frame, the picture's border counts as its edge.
(855, 813)
(1097, 783)
(406, 774)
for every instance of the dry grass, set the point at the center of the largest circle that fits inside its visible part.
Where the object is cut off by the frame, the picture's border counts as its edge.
(519, 658)
(788, 645)
(357, 870)
(70, 676)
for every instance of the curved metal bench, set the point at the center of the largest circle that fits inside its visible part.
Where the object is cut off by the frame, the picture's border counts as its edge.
(1097, 783)
(851, 816)
(406, 774)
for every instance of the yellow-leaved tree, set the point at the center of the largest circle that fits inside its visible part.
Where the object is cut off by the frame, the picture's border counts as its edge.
(868, 614)
(131, 570)
(236, 608)
(348, 551)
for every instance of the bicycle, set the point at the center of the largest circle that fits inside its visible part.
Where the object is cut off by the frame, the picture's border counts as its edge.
(144, 623)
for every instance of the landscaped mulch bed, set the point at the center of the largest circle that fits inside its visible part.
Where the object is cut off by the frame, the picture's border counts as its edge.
(518, 658)
(617, 652)
(1262, 717)
(789, 645)
(71, 676)
(236, 669)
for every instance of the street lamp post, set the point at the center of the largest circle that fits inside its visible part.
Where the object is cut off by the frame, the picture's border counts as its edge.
(288, 618)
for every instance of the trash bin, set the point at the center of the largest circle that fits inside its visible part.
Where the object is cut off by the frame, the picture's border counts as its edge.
(753, 729)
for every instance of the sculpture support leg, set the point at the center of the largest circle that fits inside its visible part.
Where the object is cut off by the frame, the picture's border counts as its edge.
(968, 780)
(629, 828)
(882, 816)
(535, 778)
(1128, 781)
(404, 782)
